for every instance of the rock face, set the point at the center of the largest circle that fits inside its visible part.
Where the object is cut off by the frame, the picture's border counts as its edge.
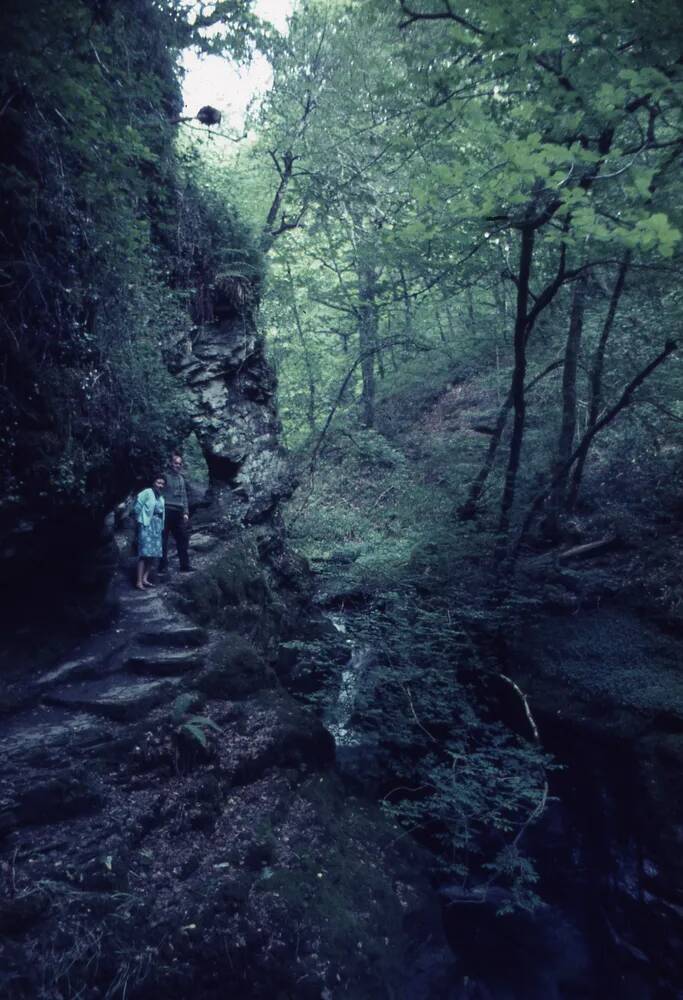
(231, 390)
(66, 558)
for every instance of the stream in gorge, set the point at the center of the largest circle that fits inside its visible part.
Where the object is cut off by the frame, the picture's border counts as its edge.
(611, 920)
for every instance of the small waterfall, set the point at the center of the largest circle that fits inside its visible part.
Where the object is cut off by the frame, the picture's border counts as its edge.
(340, 710)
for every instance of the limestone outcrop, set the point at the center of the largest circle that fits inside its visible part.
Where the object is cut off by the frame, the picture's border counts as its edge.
(231, 395)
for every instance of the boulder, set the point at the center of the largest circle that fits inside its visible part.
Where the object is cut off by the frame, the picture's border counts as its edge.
(235, 669)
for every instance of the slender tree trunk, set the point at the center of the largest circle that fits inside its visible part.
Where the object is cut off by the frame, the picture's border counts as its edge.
(335, 406)
(597, 369)
(470, 306)
(367, 339)
(524, 325)
(285, 169)
(469, 508)
(390, 342)
(501, 300)
(381, 370)
(519, 371)
(407, 307)
(439, 326)
(451, 322)
(310, 377)
(567, 433)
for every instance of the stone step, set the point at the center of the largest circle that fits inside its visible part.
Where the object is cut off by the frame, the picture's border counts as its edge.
(48, 735)
(175, 636)
(122, 699)
(163, 663)
(133, 596)
(72, 670)
(145, 608)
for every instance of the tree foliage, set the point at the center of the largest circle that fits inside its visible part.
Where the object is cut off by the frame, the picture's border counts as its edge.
(444, 185)
(472, 222)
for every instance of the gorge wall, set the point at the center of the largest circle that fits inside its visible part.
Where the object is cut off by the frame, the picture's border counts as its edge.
(128, 301)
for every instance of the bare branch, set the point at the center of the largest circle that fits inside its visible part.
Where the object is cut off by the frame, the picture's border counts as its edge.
(447, 14)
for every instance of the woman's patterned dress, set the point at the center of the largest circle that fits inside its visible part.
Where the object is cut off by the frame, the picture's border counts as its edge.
(149, 536)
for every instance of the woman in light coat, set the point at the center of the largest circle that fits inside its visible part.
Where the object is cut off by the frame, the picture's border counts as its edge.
(149, 516)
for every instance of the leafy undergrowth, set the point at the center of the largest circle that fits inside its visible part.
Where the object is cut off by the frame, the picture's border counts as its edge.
(364, 511)
(422, 598)
(427, 715)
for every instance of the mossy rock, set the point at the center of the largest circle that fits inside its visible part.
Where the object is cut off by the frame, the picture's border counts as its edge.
(611, 656)
(235, 669)
(350, 894)
(235, 579)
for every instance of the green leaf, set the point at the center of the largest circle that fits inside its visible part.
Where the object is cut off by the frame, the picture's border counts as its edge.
(642, 178)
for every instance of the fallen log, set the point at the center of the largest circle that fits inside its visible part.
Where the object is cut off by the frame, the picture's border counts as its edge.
(588, 548)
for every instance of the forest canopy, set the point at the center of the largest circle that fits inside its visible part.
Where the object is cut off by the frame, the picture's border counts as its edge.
(441, 193)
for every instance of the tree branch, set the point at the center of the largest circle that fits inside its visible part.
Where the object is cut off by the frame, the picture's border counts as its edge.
(447, 14)
(582, 448)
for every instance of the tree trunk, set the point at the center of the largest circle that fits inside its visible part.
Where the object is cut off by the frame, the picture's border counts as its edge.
(565, 440)
(524, 325)
(407, 308)
(367, 340)
(310, 376)
(381, 370)
(517, 393)
(597, 368)
(390, 342)
(439, 326)
(584, 444)
(469, 508)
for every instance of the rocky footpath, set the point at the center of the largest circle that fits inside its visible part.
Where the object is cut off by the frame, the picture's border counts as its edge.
(171, 825)
(57, 556)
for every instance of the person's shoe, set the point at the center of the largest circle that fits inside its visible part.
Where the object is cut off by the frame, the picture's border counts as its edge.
(185, 569)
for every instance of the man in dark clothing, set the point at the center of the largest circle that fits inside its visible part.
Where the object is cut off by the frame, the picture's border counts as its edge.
(177, 514)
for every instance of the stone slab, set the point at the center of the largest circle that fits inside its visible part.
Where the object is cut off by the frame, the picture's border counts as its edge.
(121, 699)
(203, 543)
(164, 663)
(72, 670)
(45, 735)
(177, 637)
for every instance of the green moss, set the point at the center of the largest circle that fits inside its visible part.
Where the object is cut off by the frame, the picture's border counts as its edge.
(339, 891)
(235, 670)
(612, 656)
(236, 594)
(235, 580)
